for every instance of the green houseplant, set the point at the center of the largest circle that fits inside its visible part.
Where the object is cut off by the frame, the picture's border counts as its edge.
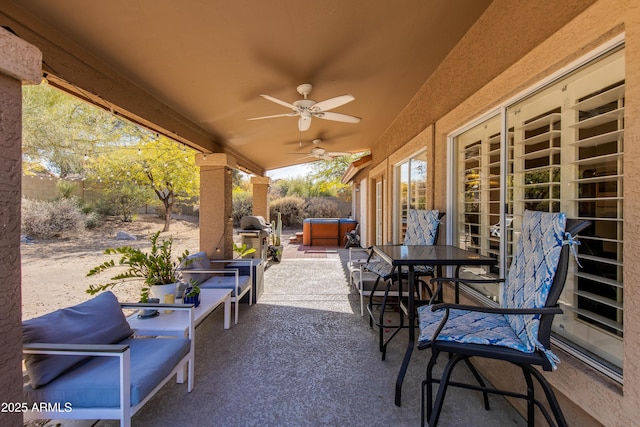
(243, 251)
(156, 267)
(274, 251)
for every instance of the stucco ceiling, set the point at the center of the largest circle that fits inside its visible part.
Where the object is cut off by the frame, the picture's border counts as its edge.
(210, 60)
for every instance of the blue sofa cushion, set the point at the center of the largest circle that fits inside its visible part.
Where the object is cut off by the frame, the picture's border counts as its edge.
(97, 321)
(228, 281)
(96, 383)
(200, 262)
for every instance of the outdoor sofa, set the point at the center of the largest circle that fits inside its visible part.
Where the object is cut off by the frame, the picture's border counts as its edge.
(84, 362)
(237, 275)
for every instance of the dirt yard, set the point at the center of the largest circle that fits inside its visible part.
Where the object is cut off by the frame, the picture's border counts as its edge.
(54, 271)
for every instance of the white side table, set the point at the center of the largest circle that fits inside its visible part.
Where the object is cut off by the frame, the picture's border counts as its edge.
(176, 323)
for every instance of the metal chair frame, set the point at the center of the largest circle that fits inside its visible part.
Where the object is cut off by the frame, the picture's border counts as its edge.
(396, 277)
(461, 352)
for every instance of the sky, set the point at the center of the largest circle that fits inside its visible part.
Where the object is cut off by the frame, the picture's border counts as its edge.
(296, 171)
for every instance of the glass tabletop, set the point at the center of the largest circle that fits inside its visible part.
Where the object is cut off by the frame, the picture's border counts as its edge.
(432, 255)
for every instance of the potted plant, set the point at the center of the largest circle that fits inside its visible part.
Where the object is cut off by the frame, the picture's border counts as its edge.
(243, 251)
(191, 295)
(156, 267)
(274, 251)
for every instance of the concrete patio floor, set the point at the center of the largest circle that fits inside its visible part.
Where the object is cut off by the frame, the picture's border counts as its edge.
(303, 356)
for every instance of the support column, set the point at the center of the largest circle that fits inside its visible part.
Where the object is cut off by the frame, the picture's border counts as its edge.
(216, 223)
(260, 196)
(20, 63)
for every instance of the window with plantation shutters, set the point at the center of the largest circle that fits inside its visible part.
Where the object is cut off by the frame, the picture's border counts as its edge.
(559, 147)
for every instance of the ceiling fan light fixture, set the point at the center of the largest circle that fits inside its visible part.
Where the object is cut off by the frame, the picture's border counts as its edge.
(307, 108)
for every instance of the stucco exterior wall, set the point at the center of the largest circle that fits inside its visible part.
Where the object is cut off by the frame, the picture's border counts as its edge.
(10, 303)
(502, 35)
(260, 186)
(422, 141)
(216, 228)
(19, 62)
(588, 397)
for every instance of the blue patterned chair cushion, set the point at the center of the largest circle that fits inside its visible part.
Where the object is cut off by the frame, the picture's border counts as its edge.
(527, 286)
(422, 227)
(532, 270)
(385, 270)
(379, 267)
(469, 327)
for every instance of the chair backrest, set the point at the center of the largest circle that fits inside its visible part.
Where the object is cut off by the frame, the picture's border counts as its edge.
(572, 229)
(422, 227)
(538, 273)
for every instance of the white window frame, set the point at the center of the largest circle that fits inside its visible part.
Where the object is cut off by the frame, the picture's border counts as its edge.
(501, 109)
(397, 233)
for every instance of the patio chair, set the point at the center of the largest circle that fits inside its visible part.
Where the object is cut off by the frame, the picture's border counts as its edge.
(519, 331)
(422, 229)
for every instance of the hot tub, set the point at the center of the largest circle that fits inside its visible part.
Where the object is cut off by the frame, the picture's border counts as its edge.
(326, 231)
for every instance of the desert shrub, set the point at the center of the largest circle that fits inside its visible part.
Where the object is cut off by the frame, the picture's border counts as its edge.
(49, 219)
(86, 207)
(104, 207)
(66, 189)
(291, 208)
(125, 199)
(92, 220)
(241, 205)
(320, 207)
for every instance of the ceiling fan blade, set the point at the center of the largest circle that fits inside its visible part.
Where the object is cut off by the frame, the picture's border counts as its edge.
(338, 117)
(279, 101)
(332, 103)
(304, 122)
(275, 115)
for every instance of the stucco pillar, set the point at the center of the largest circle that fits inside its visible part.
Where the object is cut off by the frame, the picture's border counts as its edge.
(260, 186)
(19, 62)
(216, 223)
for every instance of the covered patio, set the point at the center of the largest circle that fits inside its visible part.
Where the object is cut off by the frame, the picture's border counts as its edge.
(429, 80)
(303, 356)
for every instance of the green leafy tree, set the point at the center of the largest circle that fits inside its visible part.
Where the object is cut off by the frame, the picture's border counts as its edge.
(154, 164)
(327, 176)
(59, 131)
(71, 137)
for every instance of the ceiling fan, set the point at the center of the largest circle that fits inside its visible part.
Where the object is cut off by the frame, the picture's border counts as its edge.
(308, 108)
(320, 153)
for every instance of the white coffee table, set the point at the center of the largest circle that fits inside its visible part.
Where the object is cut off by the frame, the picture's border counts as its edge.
(176, 323)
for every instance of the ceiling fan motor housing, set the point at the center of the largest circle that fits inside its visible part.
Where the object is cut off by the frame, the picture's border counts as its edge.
(304, 104)
(305, 89)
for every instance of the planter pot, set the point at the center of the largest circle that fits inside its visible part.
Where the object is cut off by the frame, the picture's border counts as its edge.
(159, 291)
(195, 300)
(275, 253)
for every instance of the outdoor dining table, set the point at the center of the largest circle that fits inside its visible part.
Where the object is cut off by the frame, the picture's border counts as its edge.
(437, 256)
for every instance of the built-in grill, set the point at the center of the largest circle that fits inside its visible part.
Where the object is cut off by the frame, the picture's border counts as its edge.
(255, 234)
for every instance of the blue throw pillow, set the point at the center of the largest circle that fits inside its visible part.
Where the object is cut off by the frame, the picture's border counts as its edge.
(200, 262)
(97, 321)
